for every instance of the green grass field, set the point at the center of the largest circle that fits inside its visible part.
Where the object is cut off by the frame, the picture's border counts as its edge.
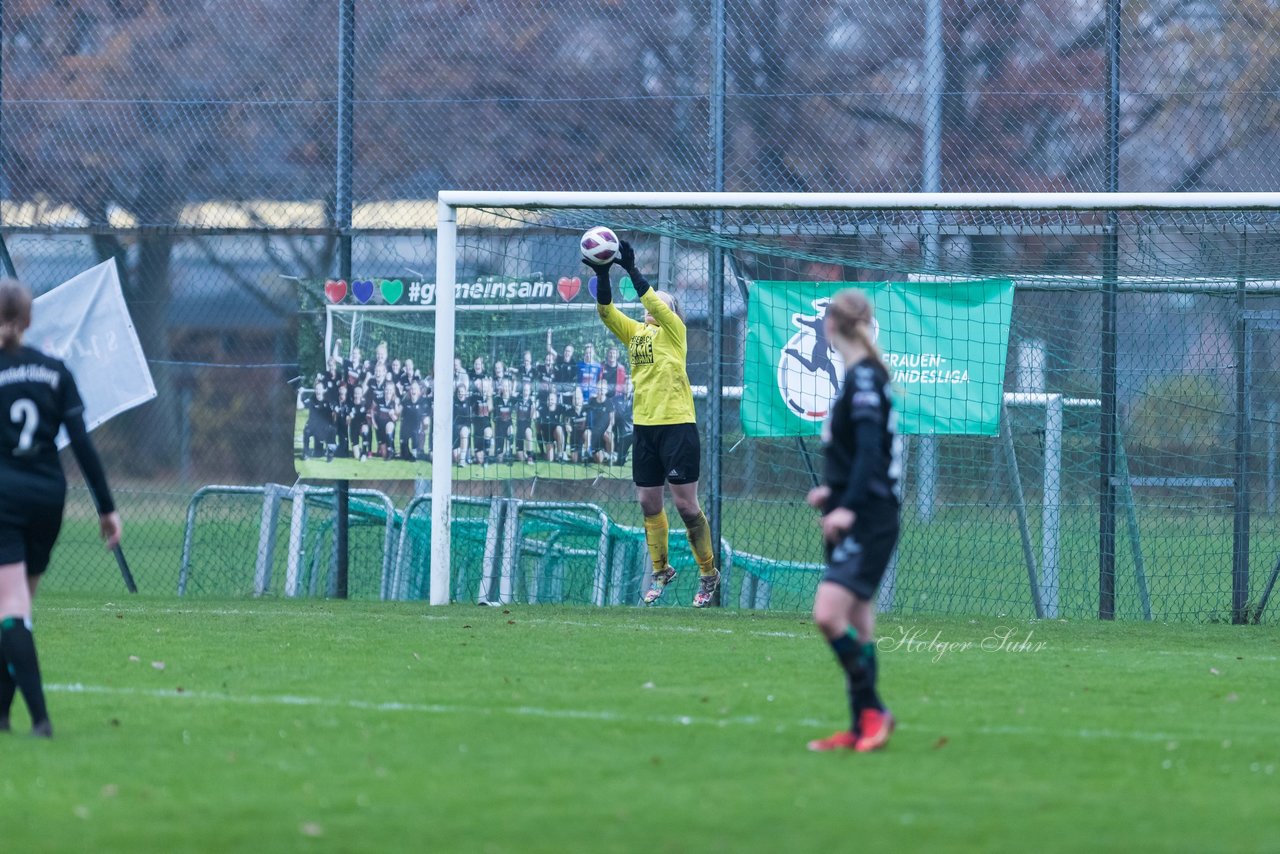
(354, 726)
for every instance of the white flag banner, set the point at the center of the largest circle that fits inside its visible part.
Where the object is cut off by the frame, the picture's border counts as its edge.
(85, 323)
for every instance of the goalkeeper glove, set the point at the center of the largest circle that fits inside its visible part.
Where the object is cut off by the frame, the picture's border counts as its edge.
(627, 259)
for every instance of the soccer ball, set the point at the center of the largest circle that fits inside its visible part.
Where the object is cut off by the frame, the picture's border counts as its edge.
(599, 245)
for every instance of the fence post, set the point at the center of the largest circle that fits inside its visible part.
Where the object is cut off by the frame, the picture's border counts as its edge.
(342, 215)
(1244, 377)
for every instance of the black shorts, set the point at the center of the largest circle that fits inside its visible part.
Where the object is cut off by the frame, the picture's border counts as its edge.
(858, 562)
(27, 534)
(665, 453)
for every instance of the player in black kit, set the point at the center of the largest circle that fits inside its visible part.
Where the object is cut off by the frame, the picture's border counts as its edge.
(341, 415)
(358, 425)
(386, 412)
(463, 412)
(600, 424)
(578, 434)
(504, 415)
(414, 416)
(859, 505)
(526, 413)
(546, 379)
(481, 402)
(38, 397)
(320, 433)
(551, 429)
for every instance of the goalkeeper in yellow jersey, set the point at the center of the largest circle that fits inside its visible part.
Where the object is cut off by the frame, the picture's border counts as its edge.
(666, 447)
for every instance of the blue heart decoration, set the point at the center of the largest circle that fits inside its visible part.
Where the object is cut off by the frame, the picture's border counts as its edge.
(591, 285)
(362, 290)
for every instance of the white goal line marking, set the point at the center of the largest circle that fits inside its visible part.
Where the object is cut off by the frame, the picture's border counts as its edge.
(606, 716)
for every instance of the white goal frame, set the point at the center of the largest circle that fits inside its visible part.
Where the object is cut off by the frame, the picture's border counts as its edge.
(449, 201)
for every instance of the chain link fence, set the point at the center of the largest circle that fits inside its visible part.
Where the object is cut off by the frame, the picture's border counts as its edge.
(201, 146)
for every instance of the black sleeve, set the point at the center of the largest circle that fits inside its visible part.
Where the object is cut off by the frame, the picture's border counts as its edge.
(90, 463)
(640, 282)
(604, 295)
(86, 455)
(867, 433)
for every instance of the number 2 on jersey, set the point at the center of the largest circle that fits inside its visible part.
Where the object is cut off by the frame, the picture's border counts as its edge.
(24, 413)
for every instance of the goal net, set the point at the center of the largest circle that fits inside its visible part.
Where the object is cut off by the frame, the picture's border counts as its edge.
(1084, 428)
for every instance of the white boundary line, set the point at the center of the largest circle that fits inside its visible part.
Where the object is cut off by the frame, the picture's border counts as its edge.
(608, 716)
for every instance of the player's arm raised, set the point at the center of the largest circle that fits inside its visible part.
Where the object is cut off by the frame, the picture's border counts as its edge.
(668, 321)
(618, 323)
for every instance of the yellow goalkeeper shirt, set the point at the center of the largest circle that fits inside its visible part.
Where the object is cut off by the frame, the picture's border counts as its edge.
(662, 393)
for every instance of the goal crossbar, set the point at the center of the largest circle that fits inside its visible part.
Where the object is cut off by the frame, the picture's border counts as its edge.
(1258, 201)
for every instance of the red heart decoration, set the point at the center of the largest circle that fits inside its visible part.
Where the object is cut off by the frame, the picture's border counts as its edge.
(335, 290)
(568, 288)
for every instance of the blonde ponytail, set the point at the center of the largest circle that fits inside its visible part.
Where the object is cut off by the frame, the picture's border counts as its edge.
(851, 312)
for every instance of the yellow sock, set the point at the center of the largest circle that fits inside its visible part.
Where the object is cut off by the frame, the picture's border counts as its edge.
(699, 533)
(656, 532)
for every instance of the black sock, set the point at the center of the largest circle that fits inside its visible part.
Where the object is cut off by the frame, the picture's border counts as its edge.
(7, 686)
(20, 653)
(846, 649)
(867, 696)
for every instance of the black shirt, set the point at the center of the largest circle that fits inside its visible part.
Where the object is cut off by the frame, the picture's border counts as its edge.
(333, 379)
(320, 411)
(357, 413)
(577, 420)
(377, 391)
(548, 417)
(38, 397)
(566, 378)
(413, 414)
(546, 383)
(481, 406)
(462, 412)
(386, 410)
(526, 408)
(504, 411)
(598, 412)
(859, 444)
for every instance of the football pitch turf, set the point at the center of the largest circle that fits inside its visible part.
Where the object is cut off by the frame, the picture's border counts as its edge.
(362, 726)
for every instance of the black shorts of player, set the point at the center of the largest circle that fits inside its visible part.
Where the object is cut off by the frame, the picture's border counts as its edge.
(858, 562)
(28, 532)
(665, 453)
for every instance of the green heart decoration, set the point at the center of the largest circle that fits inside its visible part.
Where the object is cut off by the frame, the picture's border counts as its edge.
(392, 290)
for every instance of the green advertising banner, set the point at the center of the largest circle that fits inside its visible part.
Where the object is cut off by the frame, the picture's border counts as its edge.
(944, 344)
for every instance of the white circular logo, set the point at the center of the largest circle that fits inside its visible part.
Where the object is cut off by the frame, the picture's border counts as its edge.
(809, 368)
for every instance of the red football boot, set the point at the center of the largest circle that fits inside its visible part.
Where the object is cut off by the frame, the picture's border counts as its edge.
(843, 740)
(875, 726)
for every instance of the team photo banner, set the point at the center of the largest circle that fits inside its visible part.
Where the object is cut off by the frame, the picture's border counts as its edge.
(368, 397)
(944, 343)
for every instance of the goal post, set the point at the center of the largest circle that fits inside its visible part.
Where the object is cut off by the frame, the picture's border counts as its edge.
(442, 430)
(1221, 250)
